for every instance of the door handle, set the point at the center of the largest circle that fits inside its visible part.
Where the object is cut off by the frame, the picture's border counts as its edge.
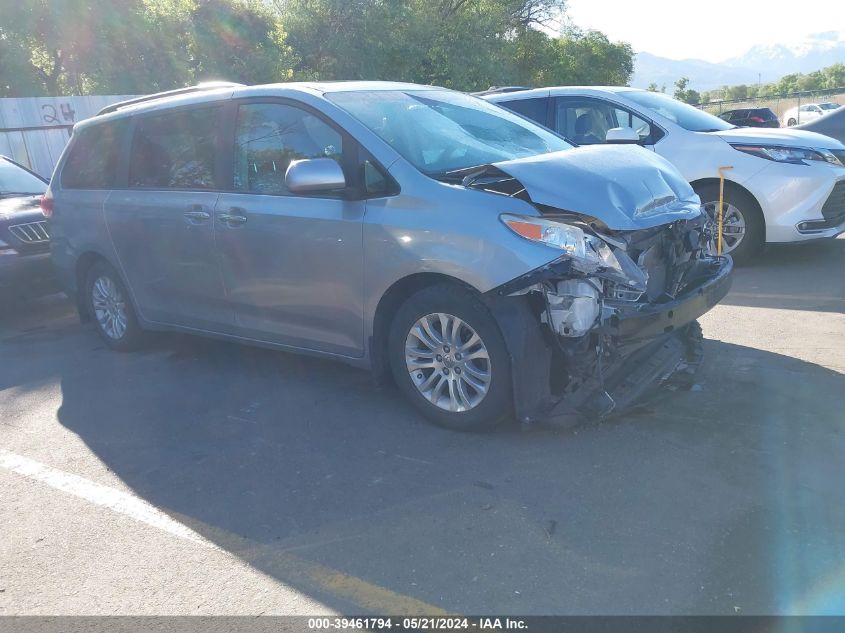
(234, 217)
(196, 213)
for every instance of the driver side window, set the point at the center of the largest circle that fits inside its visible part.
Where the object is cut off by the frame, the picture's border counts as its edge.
(631, 120)
(271, 135)
(586, 121)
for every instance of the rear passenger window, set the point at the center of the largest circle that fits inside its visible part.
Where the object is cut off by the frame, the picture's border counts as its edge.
(534, 109)
(271, 135)
(174, 150)
(93, 157)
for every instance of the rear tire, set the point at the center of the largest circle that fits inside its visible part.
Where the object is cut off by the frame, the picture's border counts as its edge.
(111, 309)
(791, 122)
(741, 210)
(449, 359)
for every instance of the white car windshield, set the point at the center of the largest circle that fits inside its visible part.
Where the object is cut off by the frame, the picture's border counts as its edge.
(685, 115)
(439, 131)
(828, 106)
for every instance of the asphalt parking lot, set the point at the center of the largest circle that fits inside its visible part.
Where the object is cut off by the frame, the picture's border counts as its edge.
(199, 477)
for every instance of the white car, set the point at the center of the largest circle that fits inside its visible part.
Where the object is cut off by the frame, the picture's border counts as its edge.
(783, 185)
(807, 112)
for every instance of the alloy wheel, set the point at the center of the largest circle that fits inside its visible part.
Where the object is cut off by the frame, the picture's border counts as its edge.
(109, 307)
(448, 362)
(733, 227)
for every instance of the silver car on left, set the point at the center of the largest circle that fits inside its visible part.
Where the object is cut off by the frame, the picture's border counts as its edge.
(483, 263)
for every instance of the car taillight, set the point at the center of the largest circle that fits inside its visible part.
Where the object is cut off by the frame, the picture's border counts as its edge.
(47, 206)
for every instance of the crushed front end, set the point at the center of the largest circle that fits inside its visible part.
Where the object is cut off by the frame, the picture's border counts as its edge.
(614, 316)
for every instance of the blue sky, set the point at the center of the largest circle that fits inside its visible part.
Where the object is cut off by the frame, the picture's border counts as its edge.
(713, 30)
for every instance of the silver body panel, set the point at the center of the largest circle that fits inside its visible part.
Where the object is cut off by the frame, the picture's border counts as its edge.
(293, 272)
(173, 271)
(308, 273)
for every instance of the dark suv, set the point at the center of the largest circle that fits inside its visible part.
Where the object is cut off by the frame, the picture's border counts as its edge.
(22, 225)
(751, 117)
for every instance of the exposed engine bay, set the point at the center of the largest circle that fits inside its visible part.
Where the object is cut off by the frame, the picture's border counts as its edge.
(617, 314)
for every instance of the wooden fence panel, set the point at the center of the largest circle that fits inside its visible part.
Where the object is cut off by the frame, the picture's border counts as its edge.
(35, 130)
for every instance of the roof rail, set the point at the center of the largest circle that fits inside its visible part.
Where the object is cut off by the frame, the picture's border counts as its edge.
(492, 90)
(208, 85)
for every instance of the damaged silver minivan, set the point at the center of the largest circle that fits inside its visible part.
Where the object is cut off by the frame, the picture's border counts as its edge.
(484, 263)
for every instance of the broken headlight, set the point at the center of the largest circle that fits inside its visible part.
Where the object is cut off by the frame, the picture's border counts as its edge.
(589, 253)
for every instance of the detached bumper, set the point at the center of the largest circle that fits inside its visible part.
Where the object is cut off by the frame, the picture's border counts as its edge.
(651, 344)
(653, 320)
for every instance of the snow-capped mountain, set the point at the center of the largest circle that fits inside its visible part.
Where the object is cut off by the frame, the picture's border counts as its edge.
(771, 61)
(806, 55)
(703, 75)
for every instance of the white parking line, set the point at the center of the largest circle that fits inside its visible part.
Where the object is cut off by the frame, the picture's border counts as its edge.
(298, 571)
(101, 495)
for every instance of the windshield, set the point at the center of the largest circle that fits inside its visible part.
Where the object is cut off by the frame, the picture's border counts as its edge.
(828, 106)
(14, 179)
(441, 131)
(685, 115)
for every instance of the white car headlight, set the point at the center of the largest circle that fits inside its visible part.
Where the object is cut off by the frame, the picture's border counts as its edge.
(794, 155)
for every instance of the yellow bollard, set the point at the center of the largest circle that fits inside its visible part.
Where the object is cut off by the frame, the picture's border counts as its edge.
(721, 207)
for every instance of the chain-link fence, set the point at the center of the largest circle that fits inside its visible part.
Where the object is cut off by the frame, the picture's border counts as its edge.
(779, 104)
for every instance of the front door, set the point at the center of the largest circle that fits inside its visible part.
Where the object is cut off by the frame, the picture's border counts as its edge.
(586, 120)
(292, 265)
(162, 223)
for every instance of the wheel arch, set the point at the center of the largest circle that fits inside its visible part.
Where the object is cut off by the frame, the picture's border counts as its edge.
(730, 185)
(389, 302)
(87, 260)
(84, 263)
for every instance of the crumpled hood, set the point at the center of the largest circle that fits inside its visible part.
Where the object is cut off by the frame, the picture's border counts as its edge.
(777, 136)
(625, 186)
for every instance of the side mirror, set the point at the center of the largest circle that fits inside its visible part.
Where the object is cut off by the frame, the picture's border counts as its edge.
(314, 174)
(622, 135)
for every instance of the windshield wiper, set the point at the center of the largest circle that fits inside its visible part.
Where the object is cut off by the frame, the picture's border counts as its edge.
(452, 175)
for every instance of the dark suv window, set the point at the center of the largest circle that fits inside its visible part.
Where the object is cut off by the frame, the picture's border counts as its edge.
(93, 156)
(269, 136)
(175, 150)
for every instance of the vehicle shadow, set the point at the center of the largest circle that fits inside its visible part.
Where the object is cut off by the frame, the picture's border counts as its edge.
(31, 307)
(301, 469)
(24, 280)
(793, 277)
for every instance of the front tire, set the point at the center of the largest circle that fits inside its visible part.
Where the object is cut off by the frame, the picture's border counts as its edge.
(744, 230)
(111, 309)
(449, 359)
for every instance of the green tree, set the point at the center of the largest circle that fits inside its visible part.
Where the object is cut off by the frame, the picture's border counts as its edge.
(239, 40)
(652, 87)
(136, 46)
(736, 92)
(687, 95)
(834, 76)
(467, 44)
(589, 58)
